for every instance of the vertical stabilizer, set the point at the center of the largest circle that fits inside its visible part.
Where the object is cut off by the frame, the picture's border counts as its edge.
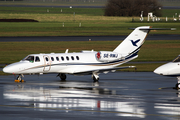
(134, 41)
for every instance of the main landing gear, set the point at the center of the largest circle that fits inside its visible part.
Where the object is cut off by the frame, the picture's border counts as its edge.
(178, 84)
(19, 78)
(95, 77)
(62, 76)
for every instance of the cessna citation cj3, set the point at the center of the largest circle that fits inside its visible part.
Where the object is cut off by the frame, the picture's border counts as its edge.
(82, 63)
(171, 69)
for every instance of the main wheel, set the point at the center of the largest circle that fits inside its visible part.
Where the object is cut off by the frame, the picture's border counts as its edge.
(94, 78)
(62, 76)
(177, 86)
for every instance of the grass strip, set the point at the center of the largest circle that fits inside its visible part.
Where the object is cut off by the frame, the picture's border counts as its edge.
(76, 22)
(152, 50)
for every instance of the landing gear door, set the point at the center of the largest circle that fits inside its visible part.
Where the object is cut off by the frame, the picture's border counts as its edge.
(47, 63)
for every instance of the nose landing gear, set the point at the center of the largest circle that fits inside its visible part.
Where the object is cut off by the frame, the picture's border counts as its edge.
(19, 78)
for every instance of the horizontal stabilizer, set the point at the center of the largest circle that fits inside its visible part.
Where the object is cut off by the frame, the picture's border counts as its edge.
(154, 28)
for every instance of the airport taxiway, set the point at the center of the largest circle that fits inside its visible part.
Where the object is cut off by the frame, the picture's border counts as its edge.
(119, 95)
(83, 38)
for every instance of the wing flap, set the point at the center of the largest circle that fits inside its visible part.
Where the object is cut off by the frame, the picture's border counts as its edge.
(104, 70)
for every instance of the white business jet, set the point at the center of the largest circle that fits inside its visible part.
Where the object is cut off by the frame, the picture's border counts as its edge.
(82, 63)
(171, 69)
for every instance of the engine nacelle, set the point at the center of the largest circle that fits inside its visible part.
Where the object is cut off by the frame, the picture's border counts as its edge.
(107, 56)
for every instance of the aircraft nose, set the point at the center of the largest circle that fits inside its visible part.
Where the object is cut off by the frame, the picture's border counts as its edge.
(158, 71)
(7, 69)
(10, 69)
(163, 70)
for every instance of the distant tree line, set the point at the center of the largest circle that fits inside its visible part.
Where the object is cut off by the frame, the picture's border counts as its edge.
(132, 7)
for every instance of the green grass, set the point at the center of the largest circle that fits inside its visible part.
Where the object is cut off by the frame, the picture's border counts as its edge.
(159, 50)
(92, 22)
(152, 50)
(50, 10)
(89, 28)
(56, 3)
(68, 11)
(170, 12)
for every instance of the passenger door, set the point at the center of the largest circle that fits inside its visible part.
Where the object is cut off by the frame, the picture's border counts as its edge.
(47, 63)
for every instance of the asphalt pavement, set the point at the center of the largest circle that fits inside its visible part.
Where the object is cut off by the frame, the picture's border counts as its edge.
(117, 96)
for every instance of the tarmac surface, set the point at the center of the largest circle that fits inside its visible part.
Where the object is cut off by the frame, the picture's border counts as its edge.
(84, 38)
(117, 96)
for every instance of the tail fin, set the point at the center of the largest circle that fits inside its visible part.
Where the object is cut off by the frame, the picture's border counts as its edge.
(134, 41)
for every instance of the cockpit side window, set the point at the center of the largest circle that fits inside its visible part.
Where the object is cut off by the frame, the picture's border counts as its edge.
(37, 59)
(29, 58)
(177, 59)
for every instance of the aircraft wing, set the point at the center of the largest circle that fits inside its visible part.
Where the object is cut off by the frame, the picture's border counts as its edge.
(104, 70)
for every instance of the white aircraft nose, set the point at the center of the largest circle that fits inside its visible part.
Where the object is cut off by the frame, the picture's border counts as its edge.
(10, 68)
(159, 71)
(164, 69)
(7, 69)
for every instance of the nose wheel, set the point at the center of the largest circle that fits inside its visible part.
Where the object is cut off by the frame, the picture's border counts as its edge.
(19, 78)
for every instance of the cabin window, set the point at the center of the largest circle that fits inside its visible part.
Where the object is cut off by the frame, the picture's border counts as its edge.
(37, 59)
(77, 57)
(72, 57)
(62, 58)
(47, 59)
(177, 59)
(52, 58)
(29, 58)
(57, 58)
(67, 57)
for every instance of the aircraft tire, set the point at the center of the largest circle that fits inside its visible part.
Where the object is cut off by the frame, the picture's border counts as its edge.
(94, 78)
(19, 78)
(177, 86)
(62, 76)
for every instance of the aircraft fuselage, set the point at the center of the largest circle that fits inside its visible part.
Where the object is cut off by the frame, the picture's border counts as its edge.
(70, 63)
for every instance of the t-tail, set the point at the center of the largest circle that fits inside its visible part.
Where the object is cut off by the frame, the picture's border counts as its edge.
(131, 45)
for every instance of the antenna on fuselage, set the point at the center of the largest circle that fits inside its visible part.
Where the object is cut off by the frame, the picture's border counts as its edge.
(66, 50)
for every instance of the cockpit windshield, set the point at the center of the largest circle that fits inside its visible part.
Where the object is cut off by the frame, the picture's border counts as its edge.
(29, 58)
(177, 59)
(32, 59)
